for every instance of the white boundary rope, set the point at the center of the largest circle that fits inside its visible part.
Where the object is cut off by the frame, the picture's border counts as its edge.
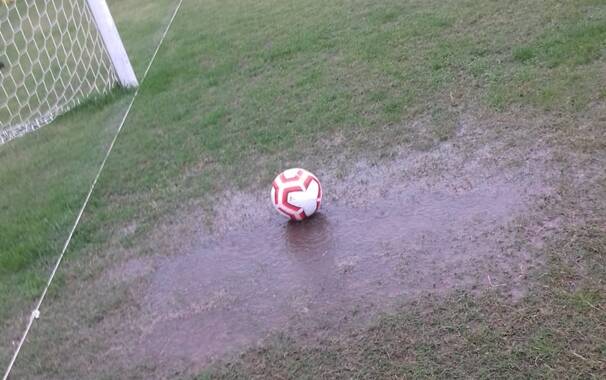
(36, 312)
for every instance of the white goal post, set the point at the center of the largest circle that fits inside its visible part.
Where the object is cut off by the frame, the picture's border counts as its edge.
(53, 55)
(113, 43)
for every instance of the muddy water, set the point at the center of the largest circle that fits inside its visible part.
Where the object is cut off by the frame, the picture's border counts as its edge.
(317, 275)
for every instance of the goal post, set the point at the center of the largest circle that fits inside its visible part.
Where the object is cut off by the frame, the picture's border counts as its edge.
(113, 43)
(53, 55)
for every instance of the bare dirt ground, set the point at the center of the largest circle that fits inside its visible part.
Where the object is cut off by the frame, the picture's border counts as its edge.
(471, 213)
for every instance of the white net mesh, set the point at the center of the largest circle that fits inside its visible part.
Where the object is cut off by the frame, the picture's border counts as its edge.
(51, 58)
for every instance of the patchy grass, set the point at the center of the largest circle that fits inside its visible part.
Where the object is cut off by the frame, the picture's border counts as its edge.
(460, 337)
(559, 331)
(573, 44)
(239, 84)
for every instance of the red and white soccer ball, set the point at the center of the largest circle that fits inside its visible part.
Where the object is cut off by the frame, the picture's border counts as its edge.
(296, 193)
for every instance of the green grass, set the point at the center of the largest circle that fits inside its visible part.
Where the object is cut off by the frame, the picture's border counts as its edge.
(233, 92)
(45, 176)
(47, 182)
(239, 84)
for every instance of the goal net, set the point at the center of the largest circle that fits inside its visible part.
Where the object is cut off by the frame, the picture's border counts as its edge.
(53, 55)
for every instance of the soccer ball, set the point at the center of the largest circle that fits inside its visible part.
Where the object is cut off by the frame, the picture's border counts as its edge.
(296, 193)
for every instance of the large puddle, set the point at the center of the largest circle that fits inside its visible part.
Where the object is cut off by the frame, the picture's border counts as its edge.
(317, 275)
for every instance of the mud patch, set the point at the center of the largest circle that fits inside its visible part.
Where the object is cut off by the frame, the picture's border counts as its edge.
(465, 215)
(312, 277)
(129, 271)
